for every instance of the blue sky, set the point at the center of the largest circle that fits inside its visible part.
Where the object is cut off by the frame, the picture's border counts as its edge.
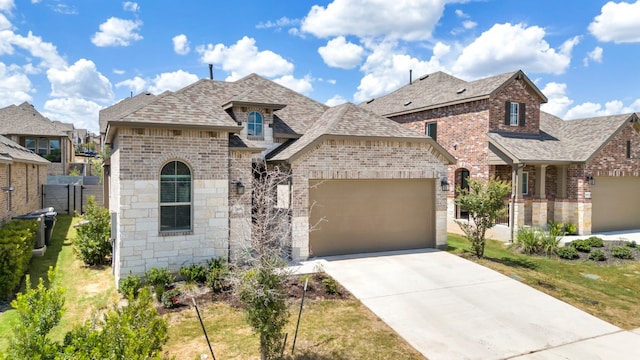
(70, 58)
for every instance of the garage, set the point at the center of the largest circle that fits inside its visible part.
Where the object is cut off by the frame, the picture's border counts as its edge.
(615, 204)
(358, 216)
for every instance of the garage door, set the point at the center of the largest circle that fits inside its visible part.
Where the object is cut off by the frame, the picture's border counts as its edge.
(616, 204)
(356, 216)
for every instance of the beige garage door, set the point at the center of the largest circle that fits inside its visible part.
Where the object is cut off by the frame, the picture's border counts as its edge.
(356, 216)
(616, 204)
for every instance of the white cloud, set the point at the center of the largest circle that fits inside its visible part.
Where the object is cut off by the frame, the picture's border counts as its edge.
(558, 102)
(387, 70)
(278, 24)
(82, 113)
(14, 86)
(595, 55)
(461, 14)
(45, 51)
(131, 6)
(589, 109)
(6, 6)
(171, 81)
(341, 54)
(335, 101)
(181, 44)
(117, 32)
(617, 22)
(64, 9)
(119, 71)
(243, 58)
(303, 86)
(136, 85)
(468, 24)
(80, 80)
(507, 47)
(5, 24)
(399, 19)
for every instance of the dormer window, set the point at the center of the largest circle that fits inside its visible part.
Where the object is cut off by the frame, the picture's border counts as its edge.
(514, 114)
(255, 124)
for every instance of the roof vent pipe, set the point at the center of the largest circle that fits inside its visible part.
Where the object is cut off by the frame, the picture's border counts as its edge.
(210, 71)
(410, 76)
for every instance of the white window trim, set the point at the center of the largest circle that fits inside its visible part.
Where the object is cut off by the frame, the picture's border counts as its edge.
(514, 116)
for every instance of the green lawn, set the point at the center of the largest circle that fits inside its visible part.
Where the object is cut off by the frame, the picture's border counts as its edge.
(612, 297)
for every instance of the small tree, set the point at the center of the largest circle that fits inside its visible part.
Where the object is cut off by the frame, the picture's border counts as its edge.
(92, 239)
(484, 200)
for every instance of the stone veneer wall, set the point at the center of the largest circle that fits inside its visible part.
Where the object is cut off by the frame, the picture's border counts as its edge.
(137, 159)
(362, 159)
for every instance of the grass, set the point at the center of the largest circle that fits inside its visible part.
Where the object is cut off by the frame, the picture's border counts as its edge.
(611, 297)
(329, 329)
(87, 289)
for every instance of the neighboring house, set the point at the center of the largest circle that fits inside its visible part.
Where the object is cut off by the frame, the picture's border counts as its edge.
(584, 171)
(178, 160)
(24, 125)
(22, 173)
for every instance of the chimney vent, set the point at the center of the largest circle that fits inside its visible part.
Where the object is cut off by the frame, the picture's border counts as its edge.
(210, 71)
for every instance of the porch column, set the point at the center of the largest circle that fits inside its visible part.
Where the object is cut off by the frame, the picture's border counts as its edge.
(539, 205)
(516, 212)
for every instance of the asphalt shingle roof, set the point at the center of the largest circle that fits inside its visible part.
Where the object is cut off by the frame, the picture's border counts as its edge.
(123, 108)
(11, 151)
(24, 119)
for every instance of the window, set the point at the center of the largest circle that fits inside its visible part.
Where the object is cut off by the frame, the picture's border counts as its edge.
(47, 148)
(255, 124)
(525, 183)
(43, 146)
(514, 114)
(175, 197)
(30, 143)
(431, 129)
(628, 149)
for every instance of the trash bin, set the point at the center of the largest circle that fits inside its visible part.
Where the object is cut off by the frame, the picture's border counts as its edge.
(49, 221)
(40, 235)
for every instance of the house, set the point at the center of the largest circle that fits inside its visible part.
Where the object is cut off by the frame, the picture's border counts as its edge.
(24, 125)
(585, 171)
(180, 160)
(22, 172)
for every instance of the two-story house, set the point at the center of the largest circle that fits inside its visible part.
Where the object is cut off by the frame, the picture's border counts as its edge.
(584, 171)
(181, 171)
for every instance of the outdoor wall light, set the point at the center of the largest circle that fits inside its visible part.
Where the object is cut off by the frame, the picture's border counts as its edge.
(239, 187)
(7, 188)
(591, 180)
(444, 183)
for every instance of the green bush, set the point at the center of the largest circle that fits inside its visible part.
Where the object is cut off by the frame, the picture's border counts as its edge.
(92, 239)
(194, 273)
(217, 274)
(159, 279)
(170, 298)
(556, 229)
(570, 229)
(130, 286)
(595, 241)
(548, 243)
(568, 252)
(621, 252)
(528, 240)
(597, 255)
(330, 285)
(632, 244)
(17, 239)
(581, 245)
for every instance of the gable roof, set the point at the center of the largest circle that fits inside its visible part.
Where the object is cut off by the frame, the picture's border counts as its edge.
(440, 89)
(352, 121)
(11, 151)
(24, 119)
(123, 108)
(561, 140)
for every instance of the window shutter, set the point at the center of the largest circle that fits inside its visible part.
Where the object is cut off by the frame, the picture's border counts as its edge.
(507, 110)
(523, 114)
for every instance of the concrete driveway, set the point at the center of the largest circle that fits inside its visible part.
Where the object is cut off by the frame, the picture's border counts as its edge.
(450, 308)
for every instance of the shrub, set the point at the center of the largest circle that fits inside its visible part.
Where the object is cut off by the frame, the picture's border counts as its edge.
(570, 229)
(170, 298)
(158, 279)
(621, 252)
(632, 244)
(595, 241)
(581, 245)
(556, 228)
(217, 274)
(130, 286)
(568, 252)
(597, 255)
(92, 239)
(548, 243)
(17, 239)
(194, 273)
(528, 240)
(330, 285)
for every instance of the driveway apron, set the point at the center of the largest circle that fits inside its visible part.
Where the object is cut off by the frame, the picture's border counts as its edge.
(451, 308)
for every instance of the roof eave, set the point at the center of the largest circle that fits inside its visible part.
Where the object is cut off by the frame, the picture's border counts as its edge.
(436, 106)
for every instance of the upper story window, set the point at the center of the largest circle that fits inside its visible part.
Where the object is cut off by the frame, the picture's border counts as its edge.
(47, 148)
(431, 129)
(175, 197)
(255, 126)
(514, 114)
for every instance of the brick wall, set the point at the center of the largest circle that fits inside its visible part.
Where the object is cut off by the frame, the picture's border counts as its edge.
(26, 196)
(516, 91)
(612, 160)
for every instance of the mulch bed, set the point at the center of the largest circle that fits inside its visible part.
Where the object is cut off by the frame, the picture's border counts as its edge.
(606, 249)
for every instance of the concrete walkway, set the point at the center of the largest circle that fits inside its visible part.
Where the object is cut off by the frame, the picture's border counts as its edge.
(450, 308)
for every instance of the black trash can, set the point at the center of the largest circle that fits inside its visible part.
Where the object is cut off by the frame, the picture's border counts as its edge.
(49, 221)
(41, 234)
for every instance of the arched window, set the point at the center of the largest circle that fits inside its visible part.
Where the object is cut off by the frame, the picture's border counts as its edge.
(255, 124)
(175, 197)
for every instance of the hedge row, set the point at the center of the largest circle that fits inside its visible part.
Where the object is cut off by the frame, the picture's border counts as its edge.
(17, 239)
